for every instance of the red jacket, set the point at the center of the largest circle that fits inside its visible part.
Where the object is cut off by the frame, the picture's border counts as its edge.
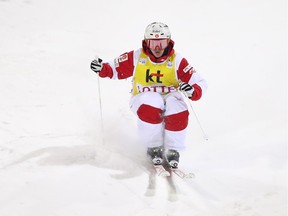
(123, 67)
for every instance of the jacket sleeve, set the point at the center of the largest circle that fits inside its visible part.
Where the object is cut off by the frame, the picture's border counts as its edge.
(121, 68)
(186, 73)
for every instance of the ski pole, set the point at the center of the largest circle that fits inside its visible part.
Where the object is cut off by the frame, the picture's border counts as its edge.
(205, 136)
(101, 113)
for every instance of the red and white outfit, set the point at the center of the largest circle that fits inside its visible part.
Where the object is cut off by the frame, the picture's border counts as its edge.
(160, 107)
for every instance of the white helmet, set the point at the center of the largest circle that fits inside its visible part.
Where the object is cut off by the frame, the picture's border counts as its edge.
(157, 30)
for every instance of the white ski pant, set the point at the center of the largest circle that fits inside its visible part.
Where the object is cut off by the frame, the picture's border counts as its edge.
(159, 130)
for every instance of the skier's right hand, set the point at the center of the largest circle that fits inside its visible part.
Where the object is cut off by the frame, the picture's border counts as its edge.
(96, 65)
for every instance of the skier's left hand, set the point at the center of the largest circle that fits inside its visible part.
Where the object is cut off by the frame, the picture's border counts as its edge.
(186, 89)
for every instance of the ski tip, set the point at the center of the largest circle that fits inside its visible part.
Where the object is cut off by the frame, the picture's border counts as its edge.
(183, 175)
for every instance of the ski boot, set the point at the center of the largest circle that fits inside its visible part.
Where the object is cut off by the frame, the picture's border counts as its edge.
(172, 158)
(156, 155)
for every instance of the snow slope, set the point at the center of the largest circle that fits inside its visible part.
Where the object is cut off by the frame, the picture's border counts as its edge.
(54, 158)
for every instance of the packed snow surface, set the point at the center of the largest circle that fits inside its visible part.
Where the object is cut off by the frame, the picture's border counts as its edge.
(63, 153)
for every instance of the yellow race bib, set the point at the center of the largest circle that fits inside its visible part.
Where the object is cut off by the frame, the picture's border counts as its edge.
(154, 77)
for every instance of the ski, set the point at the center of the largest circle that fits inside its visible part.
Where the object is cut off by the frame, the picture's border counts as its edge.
(182, 174)
(161, 171)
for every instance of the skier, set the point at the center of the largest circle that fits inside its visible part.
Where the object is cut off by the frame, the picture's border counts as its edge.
(158, 73)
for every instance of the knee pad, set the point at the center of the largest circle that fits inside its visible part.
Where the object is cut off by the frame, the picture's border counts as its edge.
(150, 114)
(177, 122)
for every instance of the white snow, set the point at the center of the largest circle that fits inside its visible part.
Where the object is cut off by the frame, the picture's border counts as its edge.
(54, 158)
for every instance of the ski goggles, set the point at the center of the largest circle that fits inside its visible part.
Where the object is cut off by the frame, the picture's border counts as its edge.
(159, 44)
